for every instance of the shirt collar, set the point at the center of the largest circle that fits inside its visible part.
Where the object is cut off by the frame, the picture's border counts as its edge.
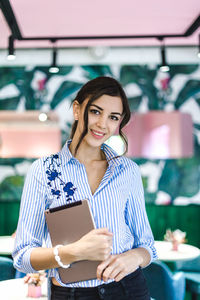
(65, 152)
(110, 154)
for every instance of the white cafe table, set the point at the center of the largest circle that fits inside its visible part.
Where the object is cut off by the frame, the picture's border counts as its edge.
(15, 289)
(6, 245)
(184, 252)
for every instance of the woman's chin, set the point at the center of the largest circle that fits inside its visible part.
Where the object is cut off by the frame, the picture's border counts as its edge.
(95, 142)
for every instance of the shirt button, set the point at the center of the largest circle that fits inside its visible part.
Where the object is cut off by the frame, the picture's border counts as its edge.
(102, 291)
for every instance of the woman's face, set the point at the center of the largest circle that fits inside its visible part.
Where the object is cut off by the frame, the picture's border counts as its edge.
(104, 116)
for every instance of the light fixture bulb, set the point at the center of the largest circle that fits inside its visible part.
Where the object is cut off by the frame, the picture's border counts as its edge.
(116, 142)
(42, 117)
(98, 52)
(11, 57)
(53, 69)
(164, 68)
(198, 54)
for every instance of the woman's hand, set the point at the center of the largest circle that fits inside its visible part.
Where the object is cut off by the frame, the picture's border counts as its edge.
(118, 266)
(96, 245)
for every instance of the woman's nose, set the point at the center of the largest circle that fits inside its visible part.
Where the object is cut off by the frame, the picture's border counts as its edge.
(102, 122)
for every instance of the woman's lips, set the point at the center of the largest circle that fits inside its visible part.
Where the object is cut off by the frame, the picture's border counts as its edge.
(97, 134)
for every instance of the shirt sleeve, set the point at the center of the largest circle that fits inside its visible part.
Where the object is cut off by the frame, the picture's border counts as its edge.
(136, 216)
(30, 229)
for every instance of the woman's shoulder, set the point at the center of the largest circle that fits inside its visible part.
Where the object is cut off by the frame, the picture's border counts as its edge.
(128, 162)
(122, 159)
(42, 163)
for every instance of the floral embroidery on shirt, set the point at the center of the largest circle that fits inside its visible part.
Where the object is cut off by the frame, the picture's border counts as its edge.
(54, 175)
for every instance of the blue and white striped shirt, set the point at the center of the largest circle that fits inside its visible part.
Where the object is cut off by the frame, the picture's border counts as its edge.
(117, 204)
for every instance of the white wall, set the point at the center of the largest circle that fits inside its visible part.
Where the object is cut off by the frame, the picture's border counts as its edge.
(102, 55)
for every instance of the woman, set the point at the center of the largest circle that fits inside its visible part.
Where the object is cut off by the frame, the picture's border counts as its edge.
(86, 168)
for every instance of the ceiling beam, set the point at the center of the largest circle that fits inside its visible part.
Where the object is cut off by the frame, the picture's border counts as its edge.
(193, 27)
(10, 19)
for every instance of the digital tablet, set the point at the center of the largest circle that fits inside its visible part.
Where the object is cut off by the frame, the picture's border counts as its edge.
(67, 224)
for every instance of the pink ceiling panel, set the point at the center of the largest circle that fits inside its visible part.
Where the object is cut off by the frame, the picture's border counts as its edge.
(92, 17)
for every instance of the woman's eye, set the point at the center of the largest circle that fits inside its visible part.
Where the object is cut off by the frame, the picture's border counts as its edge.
(94, 111)
(114, 118)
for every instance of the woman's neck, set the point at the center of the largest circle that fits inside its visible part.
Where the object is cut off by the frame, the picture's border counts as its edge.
(85, 153)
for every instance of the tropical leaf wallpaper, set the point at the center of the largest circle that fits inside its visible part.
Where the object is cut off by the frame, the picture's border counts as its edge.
(172, 181)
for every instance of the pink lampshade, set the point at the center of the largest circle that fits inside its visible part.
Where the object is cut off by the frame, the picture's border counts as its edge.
(159, 134)
(24, 135)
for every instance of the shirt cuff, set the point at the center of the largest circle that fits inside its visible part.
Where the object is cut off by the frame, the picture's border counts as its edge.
(152, 252)
(26, 262)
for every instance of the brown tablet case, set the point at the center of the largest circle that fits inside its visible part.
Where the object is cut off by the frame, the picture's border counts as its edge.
(67, 224)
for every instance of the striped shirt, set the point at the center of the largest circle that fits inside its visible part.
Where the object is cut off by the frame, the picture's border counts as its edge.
(117, 204)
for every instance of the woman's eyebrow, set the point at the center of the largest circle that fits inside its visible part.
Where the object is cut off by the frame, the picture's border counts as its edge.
(113, 113)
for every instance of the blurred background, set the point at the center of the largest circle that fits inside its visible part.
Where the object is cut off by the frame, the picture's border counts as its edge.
(48, 50)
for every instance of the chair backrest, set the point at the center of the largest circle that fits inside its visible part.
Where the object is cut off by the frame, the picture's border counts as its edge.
(7, 271)
(189, 265)
(163, 285)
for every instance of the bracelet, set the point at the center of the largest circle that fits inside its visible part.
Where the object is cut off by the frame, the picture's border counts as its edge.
(57, 257)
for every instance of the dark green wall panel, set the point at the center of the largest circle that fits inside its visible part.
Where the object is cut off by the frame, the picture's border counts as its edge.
(9, 212)
(185, 218)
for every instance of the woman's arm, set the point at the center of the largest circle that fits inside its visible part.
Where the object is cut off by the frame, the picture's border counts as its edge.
(31, 223)
(28, 254)
(118, 266)
(136, 216)
(96, 245)
(143, 252)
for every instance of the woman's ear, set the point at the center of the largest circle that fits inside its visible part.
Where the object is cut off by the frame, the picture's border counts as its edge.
(76, 110)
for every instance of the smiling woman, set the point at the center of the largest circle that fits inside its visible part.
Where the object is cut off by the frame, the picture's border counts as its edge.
(111, 96)
(86, 168)
(104, 116)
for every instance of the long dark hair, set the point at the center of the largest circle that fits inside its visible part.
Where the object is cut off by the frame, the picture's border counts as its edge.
(93, 90)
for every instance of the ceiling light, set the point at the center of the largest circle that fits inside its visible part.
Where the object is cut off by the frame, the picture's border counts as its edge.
(157, 136)
(98, 52)
(116, 142)
(43, 117)
(164, 66)
(23, 135)
(54, 68)
(11, 54)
